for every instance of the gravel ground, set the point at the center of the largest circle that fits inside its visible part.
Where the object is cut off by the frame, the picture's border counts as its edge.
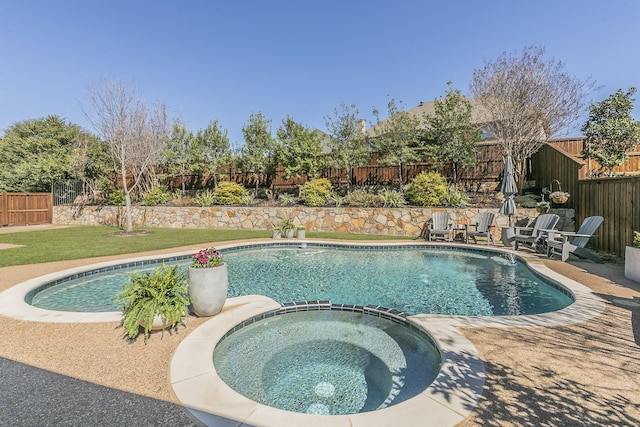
(584, 375)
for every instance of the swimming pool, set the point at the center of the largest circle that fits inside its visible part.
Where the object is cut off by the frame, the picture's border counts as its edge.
(412, 279)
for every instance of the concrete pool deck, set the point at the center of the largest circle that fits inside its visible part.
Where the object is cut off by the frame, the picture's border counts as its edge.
(585, 373)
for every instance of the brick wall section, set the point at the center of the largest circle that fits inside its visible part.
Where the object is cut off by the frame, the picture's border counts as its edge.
(377, 221)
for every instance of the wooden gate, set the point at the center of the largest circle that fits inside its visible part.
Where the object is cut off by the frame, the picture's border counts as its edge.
(25, 208)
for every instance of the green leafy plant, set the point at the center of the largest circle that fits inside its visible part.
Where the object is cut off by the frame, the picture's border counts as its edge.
(337, 198)
(229, 193)
(636, 239)
(204, 198)
(392, 198)
(160, 293)
(543, 206)
(455, 198)
(363, 199)
(116, 197)
(286, 224)
(286, 199)
(316, 192)
(427, 189)
(158, 195)
(248, 200)
(207, 258)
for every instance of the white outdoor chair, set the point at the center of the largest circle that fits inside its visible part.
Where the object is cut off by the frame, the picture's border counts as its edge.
(533, 236)
(483, 225)
(564, 243)
(438, 227)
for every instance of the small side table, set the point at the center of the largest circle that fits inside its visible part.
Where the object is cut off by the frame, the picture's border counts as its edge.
(459, 233)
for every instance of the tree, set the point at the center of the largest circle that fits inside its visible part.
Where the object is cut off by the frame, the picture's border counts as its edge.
(610, 130)
(34, 153)
(527, 100)
(179, 153)
(451, 133)
(396, 137)
(256, 157)
(90, 163)
(298, 149)
(349, 147)
(213, 150)
(134, 134)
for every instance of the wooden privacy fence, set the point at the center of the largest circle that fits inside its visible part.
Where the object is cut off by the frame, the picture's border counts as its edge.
(489, 166)
(574, 147)
(617, 199)
(551, 163)
(25, 208)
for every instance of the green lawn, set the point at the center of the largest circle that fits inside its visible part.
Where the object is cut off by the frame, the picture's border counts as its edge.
(86, 242)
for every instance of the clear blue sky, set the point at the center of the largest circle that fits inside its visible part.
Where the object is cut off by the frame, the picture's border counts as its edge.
(223, 60)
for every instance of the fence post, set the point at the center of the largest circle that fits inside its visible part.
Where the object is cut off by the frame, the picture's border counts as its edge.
(4, 219)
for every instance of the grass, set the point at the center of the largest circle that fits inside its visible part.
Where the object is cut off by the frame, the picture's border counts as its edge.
(94, 241)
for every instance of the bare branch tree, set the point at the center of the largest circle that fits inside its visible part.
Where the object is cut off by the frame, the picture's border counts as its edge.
(134, 136)
(527, 100)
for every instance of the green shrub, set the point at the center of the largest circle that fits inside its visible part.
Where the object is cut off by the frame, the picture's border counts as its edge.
(248, 200)
(158, 195)
(316, 192)
(392, 198)
(455, 198)
(363, 199)
(337, 198)
(229, 193)
(116, 197)
(205, 198)
(427, 189)
(286, 199)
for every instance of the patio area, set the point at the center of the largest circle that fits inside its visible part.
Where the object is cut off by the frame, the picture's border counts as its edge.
(586, 374)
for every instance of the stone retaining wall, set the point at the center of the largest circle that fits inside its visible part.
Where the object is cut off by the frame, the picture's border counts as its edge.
(378, 221)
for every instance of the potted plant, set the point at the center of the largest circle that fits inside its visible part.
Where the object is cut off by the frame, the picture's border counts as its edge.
(286, 227)
(301, 232)
(632, 259)
(208, 282)
(154, 300)
(276, 233)
(543, 206)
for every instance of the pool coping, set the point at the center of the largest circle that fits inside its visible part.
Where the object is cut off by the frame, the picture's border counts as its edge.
(447, 402)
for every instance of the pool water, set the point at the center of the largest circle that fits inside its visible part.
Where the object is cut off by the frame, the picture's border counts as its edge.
(327, 362)
(413, 281)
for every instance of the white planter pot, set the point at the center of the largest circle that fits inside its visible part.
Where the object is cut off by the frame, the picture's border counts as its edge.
(632, 263)
(208, 289)
(156, 325)
(301, 234)
(289, 233)
(276, 234)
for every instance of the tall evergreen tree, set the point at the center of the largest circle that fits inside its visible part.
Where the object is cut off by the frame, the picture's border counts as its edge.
(610, 132)
(257, 154)
(451, 133)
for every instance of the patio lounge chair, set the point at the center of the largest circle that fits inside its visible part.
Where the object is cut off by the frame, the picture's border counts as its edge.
(533, 236)
(483, 225)
(564, 243)
(437, 228)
